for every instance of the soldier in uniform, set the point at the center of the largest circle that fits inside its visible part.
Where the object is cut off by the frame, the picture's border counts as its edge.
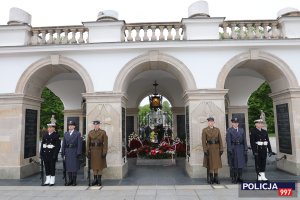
(237, 150)
(213, 149)
(97, 150)
(260, 143)
(71, 151)
(49, 151)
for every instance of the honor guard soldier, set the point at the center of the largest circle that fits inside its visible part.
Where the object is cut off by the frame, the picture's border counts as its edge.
(71, 152)
(97, 150)
(213, 149)
(237, 150)
(49, 151)
(260, 144)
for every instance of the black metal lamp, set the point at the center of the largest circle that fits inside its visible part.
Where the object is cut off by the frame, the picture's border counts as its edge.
(155, 100)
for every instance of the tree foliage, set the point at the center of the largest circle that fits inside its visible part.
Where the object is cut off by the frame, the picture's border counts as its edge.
(260, 100)
(52, 105)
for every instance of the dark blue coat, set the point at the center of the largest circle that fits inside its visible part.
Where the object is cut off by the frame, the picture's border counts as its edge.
(47, 152)
(237, 145)
(260, 136)
(71, 148)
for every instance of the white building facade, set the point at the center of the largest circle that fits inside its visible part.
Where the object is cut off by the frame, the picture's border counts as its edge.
(103, 69)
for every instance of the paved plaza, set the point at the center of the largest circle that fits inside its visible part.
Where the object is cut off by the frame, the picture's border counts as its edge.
(142, 182)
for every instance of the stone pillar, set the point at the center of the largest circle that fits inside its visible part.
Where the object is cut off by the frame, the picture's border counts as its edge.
(201, 104)
(175, 112)
(289, 20)
(240, 110)
(13, 109)
(107, 107)
(135, 113)
(107, 28)
(287, 122)
(77, 114)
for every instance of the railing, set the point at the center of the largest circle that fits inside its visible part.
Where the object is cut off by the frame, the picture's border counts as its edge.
(59, 35)
(142, 32)
(254, 29)
(164, 31)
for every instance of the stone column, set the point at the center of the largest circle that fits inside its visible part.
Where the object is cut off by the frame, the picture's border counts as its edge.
(175, 112)
(287, 125)
(14, 152)
(135, 113)
(201, 104)
(75, 114)
(107, 107)
(240, 110)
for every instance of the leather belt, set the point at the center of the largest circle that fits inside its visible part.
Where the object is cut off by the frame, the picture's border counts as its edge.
(71, 146)
(48, 146)
(212, 141)
(259, 143)
(237, 142)
(96, 144)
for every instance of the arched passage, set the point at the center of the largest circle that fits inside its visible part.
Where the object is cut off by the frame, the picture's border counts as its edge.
(242, 75)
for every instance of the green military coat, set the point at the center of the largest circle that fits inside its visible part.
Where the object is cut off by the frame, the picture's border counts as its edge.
(97, 152)
(214, 157)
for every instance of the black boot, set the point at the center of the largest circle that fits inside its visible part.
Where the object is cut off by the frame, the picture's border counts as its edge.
(70, 182)
(216, 179)
(74, 180)
(95, 182)
(99, 180)
(240, 175)
(211, 178)
(235, 176)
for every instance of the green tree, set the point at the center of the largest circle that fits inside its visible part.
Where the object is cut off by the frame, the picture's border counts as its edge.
(166, 108)
(143, 111)
(52, 105)
(260, 100)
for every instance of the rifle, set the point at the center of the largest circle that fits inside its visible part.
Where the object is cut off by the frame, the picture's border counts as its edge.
(42, 171)
(207, 169)
(89, 168)
(64, 170)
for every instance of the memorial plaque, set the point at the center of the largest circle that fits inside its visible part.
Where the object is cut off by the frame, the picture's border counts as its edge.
(241, 117)
(30, 140)
(187, 129)
(283, 127)
(180, 127)
(123, 132)
(74, 119)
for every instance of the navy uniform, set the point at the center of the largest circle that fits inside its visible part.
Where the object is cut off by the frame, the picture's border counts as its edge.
(260, 144)
(49, 151)
(71, 152)
(213, 149)
(237, 150)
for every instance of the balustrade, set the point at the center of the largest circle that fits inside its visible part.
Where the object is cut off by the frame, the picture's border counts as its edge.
(142, 32)
(59, 35)
(256, 29)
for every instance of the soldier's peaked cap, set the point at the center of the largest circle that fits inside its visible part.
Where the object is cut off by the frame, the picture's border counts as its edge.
(210, 119)
(235, 120)
(259, 121)
(71, 123)
(95, 122)
(51, 125)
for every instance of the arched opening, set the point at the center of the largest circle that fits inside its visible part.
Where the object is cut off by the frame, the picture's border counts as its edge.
(68, 81)
(243, 75)
(136, 80)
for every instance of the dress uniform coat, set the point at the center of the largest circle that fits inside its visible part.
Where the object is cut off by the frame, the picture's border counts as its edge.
(49, 151)
(72, 149)
(97, 148)
(237, 145)
(260, 143)
(213, 145)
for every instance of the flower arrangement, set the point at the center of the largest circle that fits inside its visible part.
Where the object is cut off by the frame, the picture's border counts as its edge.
(161, 151)
(134, 143)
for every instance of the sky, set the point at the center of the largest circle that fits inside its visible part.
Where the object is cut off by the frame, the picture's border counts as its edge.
(71, 12)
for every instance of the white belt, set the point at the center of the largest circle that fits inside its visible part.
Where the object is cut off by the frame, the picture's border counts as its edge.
(262, 143)
(49, 146)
